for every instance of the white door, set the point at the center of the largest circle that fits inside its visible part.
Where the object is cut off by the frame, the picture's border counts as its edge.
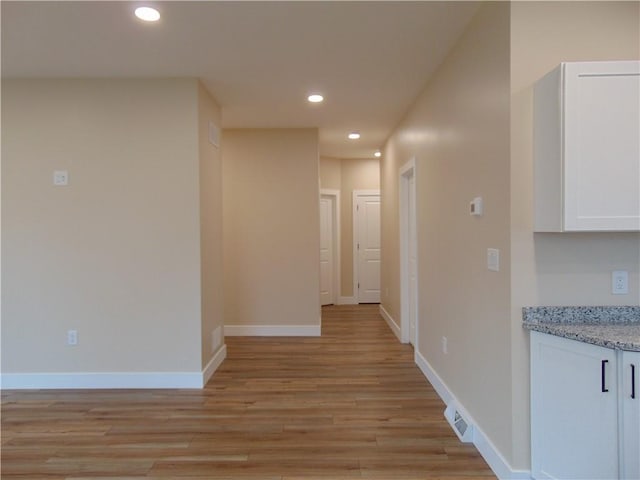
(367, 237)
(326, 252)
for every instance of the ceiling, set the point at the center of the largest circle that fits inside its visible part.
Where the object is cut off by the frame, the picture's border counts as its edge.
(259, 60)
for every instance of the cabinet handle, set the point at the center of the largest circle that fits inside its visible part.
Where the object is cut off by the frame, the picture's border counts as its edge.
(633, 381)
(603, 375)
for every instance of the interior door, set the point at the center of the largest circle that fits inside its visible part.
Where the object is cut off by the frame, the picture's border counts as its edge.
(368, 248)
(326, 252)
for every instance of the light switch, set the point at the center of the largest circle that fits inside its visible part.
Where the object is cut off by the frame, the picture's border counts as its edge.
(61, 178)
(493, 259)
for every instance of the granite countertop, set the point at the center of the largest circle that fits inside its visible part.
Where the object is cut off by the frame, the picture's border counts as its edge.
(612, 327)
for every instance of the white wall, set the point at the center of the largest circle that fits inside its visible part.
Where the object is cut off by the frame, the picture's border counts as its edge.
(271, 227)
(116, 254)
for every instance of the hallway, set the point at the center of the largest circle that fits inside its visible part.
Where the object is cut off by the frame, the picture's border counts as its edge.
(349, 404)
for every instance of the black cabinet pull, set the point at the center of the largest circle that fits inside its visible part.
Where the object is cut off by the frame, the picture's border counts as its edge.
(633, 381)
(603, 375)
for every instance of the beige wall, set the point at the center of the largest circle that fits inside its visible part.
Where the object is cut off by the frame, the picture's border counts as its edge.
(210, 224)
(458, 132)
(116, 254)
(271, 227)
(348, 175)
(559, 269)
(330, 173)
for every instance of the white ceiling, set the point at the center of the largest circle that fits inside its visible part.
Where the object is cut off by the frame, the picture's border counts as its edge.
(258, 59)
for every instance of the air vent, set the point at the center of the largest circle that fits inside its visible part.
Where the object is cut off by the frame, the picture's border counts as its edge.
(214, 135)
(459, 423)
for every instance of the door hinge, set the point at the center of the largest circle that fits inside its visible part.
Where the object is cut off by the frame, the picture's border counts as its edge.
(358, 285)
(358, 246)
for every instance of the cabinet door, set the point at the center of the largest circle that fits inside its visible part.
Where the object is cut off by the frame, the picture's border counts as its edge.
(630, 417)
(602, 146)
(574, 421)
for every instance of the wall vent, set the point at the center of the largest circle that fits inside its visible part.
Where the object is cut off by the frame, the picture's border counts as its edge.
(459, 423)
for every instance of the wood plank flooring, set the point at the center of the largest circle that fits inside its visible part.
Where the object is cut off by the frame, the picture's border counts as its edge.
(350, 404)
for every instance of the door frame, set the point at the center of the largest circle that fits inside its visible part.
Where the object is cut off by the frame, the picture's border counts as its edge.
(334, 196)
(354, 218)
(407, 171)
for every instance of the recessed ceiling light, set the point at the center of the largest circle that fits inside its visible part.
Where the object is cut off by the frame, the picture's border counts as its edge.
(377, 154)
(147, 14)
(315, 98)
(354, 136)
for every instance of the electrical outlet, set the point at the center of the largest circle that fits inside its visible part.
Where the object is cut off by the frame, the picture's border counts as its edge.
(216, 339)
(61, 178)
(445, 348)
(72, 337)
(620, 282)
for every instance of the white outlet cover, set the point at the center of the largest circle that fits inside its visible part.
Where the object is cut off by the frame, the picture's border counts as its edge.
(61, 178)
(72, 337)
(620, 282)
(216, 339)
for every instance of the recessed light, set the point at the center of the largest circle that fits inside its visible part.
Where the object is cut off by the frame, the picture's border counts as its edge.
(377, 154)
(147, 14)
(315, 98)
(354, 136)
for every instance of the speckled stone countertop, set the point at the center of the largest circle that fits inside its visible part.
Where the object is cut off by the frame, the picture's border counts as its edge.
(611, 327)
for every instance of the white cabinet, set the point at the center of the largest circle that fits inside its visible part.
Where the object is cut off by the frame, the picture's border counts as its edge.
(587, 147)
(574, 422)
(630, 415)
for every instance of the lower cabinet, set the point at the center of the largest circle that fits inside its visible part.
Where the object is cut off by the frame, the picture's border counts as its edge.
(630, 415)
(584, 422)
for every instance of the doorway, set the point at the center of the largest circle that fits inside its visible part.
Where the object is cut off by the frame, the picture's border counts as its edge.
(329, 246)
(366, 246)
(408, 255)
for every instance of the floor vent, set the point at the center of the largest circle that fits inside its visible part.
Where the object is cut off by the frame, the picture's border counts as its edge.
(460, 425)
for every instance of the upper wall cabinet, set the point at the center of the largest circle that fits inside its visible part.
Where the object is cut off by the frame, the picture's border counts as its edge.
(587, 148)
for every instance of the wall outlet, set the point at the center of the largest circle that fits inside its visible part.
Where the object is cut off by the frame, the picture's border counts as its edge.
(216, 339)
(620, 282)
(61, 178)
(72, 337)
(445, 348)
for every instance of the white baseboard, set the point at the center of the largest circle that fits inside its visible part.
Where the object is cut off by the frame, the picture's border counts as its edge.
(134, 380)
(116, 380)
(434, 379)
(272, 330)
(391, 322)
(347, 301)
(487, 449)
(213, 364)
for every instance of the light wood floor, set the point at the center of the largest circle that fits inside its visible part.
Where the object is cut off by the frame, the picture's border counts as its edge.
(349, 404)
